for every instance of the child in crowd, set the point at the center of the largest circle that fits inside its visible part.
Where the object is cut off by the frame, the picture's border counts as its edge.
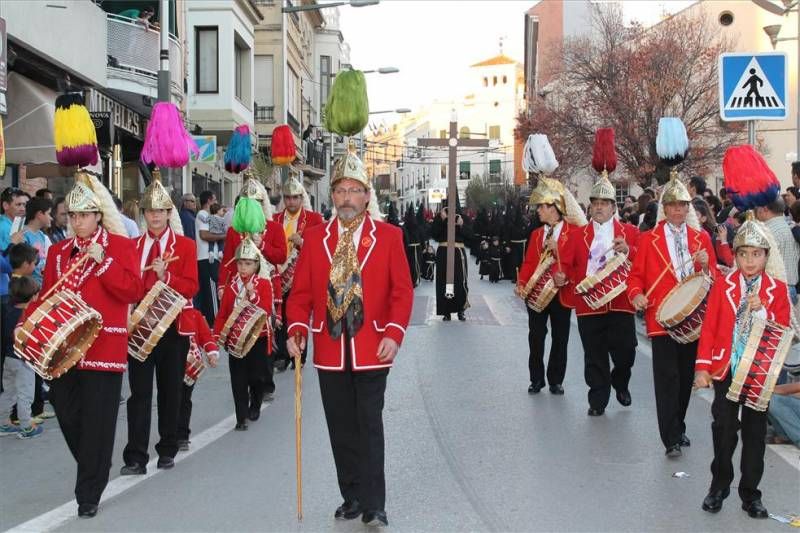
(37, 221)
(18, 378)
(495, 254)
(483, 259)
(251, 373)
(216, 225)
(748, 291)
(429, 260)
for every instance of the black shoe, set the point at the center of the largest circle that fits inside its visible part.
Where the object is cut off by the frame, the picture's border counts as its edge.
(254, 413)
(684, 441)
(446, 318)
(133, 470)
(595, 412)
(755, 509)
(462, 317)
(624, 398)
(557, 389)
(534, 388)
(348, 511)
(87, 510)
(241, 426)
(183, 445)
(375, 518)
(712, 503)
(268, 397)
(674, 451)
(280, 366)
(165, 463)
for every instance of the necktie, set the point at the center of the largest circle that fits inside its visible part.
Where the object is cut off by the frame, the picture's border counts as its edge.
(345, 297)
(150, 276)
(679, 251)
(744, 321)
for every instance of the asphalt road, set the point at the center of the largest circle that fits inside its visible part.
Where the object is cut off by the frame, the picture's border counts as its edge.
(467, 449)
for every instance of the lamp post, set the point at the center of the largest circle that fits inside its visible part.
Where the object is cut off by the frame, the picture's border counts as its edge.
(314, 7)
(772, 32)
(399, 110)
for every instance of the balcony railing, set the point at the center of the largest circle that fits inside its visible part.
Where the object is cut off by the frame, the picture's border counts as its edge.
(316, 154)
(134, 49)
(293, 123)
(265, 113)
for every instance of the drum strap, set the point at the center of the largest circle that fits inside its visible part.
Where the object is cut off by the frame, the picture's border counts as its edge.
(744, 322)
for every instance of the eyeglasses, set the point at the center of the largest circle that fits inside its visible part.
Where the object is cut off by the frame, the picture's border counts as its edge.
(341, 191)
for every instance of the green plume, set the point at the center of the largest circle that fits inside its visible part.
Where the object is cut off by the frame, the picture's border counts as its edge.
(347, 110)
(248, 217)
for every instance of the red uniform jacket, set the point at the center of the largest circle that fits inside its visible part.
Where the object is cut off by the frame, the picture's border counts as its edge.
(262, 298)
(716, 337)
(576, 258)
(273, 247)
(194, 324)
(652, 258)
(386, 283)
(535, 247)
(180, 275)
(109, 288)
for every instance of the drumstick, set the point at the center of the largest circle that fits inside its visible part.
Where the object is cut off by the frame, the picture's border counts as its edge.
(166, 261)
(66, 275)
(663, 272)
(298, 423)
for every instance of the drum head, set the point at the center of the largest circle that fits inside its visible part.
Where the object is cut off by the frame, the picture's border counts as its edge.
(681, 296)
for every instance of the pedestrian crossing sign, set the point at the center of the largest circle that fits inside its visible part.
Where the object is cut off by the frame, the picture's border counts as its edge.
(753, 86)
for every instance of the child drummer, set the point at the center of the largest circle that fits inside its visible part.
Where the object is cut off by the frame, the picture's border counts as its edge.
(751, 289)
(249, 373)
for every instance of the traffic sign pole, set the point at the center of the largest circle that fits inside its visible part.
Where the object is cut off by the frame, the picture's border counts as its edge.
(751, 132)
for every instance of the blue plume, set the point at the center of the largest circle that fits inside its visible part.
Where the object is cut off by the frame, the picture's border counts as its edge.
(672, 143)
(237, 155)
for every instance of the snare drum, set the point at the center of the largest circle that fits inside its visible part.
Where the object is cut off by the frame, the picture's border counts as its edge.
(57, 334)
(603, 286)
(152, 318)
(682, 311)
(194, 364)
(541, 287)
(242, 329)
(760, 365)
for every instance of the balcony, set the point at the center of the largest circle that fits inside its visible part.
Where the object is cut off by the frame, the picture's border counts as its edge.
(293, 123)
(316, 154)
(265, 113)
(133, 57)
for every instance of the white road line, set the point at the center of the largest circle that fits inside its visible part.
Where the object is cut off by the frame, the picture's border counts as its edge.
(58, 516)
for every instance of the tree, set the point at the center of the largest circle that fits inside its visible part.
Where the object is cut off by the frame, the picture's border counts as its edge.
(628, 78)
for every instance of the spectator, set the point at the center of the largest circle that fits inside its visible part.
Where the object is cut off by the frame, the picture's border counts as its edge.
(130, 208)
(715, 205)
(697, 186)
(12, 203)
(44, 193)
(142, 16)
(796, 173)
(18, 378)
(629, 201)
(216, 225)
(791, 195)
(131, 227)
(58, 229)
(717, 233)
(649, 218)
(772, 216)
(643, 201)
(187, 213)
(207, 271)
(784, 414)
(37, 220)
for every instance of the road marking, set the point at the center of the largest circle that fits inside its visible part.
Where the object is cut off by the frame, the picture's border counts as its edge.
(58, 516)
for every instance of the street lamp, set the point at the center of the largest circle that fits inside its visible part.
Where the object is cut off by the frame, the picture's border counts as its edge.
(400, 110)
(381, 70)
(314, 7)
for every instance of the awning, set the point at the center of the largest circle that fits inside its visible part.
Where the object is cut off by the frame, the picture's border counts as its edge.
(29, 125)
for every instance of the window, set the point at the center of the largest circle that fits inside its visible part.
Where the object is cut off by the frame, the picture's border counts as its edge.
(621, 192)
(485, 81)
(505, 79)
(463, 170)
(206, 59)
(325, 81)
(293, 100)
(494, 133)
(265, 81)
(443, 171)
(494, 169)
(239, 55)
(463, 133)
(494, 80)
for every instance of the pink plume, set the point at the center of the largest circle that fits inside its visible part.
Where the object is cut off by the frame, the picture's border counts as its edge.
(166, 142)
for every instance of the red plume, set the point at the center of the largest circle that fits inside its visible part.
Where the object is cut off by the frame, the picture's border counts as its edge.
(283, 148)
(748, 180)
(604, 155)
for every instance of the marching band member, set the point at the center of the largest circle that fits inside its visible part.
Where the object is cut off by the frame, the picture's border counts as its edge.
(250, 283)
(353, 285)
(86, 399)
(167, 256)
(296, 217)
(754, 288)
(562, 216)
(609, 330)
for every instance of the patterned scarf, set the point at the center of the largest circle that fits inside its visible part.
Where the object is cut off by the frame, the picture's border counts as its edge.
(345, 296)
(743, 324)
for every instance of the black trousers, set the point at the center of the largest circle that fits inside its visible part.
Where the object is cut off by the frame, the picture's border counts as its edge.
(614, 334)
(723, 429)
(168, 362)
(207, 276)
(353, 403)
(248, 378)
(86, 403)
(673, 376)
(185, 412)
(537, 332)
(281, 336)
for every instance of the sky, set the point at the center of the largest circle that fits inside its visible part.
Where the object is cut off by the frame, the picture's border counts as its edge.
(433, 42)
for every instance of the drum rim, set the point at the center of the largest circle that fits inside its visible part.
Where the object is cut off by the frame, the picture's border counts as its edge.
(689, 307)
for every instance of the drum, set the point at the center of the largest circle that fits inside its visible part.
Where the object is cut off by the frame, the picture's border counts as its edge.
(607, 283)
(682, 311)
(755, 377)
(57, 334)
(541, 288)
(241, 330)
(792, 363)
(152, 318)
(194, 364)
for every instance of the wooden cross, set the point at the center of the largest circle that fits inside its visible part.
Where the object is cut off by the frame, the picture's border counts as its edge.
(453, 143)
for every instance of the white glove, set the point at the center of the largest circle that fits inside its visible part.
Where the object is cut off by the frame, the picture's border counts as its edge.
(96, 252)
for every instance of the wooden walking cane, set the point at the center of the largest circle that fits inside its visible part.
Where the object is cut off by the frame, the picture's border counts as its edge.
(298, 423)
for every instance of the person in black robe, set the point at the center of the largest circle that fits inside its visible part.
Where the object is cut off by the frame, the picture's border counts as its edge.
(496, 255)
(516, 239)
(413, 244)
(459, 303)
(483, 260)
(429, 263)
